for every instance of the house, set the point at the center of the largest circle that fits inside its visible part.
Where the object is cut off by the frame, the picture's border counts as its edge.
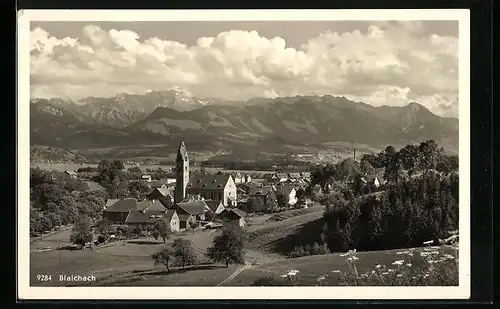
(215, 207)
(163, 194)
(261, 192)
(294, 177)
(170, 181)
(118, 211)
(376, 179)
(289, 193)
(190, 212)
(238, 178)
(144, 218)
(233, 216)
(73, 174)
(281, 177)
(247, 178)
(110, 202)
(213, 187)
(146, 178)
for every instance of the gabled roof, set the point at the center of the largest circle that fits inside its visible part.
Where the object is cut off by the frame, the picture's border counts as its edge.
(151, 205)
(111, 201)
(213, 205)
(233, 213)
(169, 214)
(128, 204)
(182, 151)
(125, 205)
(209, 182)
(142, 217)
(164, 191)
(286, 190)
(262, 191)
(193, 207)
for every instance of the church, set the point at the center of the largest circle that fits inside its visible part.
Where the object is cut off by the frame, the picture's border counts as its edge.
(219, 187)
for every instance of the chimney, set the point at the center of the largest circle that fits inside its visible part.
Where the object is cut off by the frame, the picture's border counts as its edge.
(354, 154)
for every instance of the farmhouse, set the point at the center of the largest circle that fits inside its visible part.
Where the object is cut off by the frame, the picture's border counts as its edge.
(162, 194)
(289, 193)
(144, 218)
(73, 174)
(190, 212)
(117, 212)
(215, 207)
(213, 187)
(261, 192)
(146, 178)
(234, 216)
(376, 179)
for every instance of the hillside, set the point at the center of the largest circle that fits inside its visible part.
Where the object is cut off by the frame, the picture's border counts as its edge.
(46, 153)
(265, 125)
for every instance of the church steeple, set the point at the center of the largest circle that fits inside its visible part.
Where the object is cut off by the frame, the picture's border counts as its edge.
(181, 172)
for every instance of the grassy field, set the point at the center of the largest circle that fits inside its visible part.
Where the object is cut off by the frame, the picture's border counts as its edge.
(313, 267)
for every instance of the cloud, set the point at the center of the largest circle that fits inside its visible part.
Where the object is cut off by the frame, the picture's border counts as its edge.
(391, 63)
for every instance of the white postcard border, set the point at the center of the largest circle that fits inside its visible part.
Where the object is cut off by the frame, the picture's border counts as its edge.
(26, 292)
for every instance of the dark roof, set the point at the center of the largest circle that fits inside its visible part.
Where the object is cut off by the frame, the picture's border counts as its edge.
(213, 205)
(261, 190)
(124, 205)
(286, 190)
(193, 207)
(169, 214)
(233, 213)
(142, 217)
(151, 205)
(210, 182)
(128, 204)
(182, 151)
(111, 201)
(163, 191)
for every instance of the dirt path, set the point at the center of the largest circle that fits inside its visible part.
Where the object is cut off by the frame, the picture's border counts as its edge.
(236, 273)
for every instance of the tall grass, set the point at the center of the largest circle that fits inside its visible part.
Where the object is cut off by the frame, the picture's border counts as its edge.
(431, 267)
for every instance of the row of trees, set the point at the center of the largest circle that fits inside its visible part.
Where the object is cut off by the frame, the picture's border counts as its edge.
(407, 161)
(405, 215)
(57, 199)
(226, 248)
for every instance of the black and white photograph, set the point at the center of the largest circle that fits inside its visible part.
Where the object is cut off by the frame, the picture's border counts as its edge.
(221, 154)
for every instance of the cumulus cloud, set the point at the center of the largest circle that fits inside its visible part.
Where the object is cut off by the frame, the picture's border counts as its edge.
(391, 63)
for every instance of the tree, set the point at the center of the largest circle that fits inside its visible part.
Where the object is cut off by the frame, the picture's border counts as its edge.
(227, 247)
(271, 203)
(300, 194)
(254, 204)
(163, 257)
(366, 168)
(82, 232)
(138, 188)
(161, 229)
(183, 252)
(281, 200)
(430, 153)
(409, 157)
(104, 227)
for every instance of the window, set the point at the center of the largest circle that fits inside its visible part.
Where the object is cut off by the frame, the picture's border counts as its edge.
(185, 168)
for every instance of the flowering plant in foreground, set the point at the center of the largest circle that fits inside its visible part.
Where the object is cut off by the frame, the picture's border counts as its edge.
(428, 266)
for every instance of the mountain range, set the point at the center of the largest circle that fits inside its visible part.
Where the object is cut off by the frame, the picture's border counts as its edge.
(159, 119)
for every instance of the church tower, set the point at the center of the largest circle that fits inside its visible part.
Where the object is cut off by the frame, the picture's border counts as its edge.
(181, 172)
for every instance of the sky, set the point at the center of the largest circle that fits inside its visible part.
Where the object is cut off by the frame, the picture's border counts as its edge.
(379, 63)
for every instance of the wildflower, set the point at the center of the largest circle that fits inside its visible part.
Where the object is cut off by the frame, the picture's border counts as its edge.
(414, 277)
(385, 273)
(378, 266)
(398, 262)
(424, 253)
(390, 270)
(293, 272)
(336, 271)
(373, 271)
(344, 254)
(409, 264)
(399, 275)
(428, 242)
